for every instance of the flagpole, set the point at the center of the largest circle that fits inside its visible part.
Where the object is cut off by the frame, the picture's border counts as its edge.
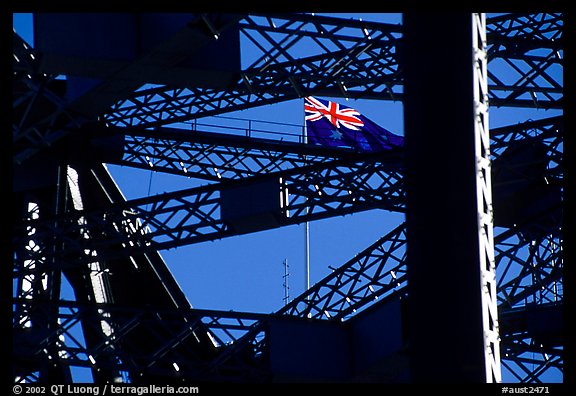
(306, 228)
(307, 255)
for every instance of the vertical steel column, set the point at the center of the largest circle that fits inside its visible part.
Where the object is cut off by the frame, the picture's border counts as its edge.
(452, 312)
(484, 201)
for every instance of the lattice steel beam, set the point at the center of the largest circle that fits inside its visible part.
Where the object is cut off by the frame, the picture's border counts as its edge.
(529, 255)
(200, 206)
(40, 113)
(194, 215)
(362, 63)
(377, 273)
(528, 361)
(220, 156)
(546, 28)
(355, 58)
(527, 49)
(166, 356)
(373, 276)
(530, 271)
(216, 156)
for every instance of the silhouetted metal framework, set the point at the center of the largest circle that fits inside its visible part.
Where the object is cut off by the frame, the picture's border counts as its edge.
(375, 275)
(217, 157)
(40, 112)
(355, 59)
(195, 215)
(358, 59)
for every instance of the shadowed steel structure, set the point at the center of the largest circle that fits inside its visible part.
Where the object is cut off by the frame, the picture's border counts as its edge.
(145, 103)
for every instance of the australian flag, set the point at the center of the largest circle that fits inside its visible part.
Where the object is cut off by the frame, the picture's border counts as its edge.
(334, 125)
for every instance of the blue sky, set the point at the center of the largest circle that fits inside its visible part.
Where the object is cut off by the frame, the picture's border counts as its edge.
(245, 273)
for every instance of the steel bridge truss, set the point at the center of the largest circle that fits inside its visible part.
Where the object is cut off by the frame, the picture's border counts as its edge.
(194, 215)
(34, 130)
(216, 156)
(375, 276)
(354, 59)
(165, 354)
(529, 270)
(320, 190)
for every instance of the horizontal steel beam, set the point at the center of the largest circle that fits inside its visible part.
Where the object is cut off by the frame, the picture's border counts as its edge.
(217, 156)
(195, 215)
(363, 63)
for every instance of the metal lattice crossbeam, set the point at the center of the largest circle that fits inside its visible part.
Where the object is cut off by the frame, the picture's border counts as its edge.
(543, 27)
(216, 156)
(527, 48)
(527, 360)
(529, 271)
(524, 70)
(374, 274)
(547, 133)
(167, 332)
(40, 114)
(194, 215)
(351, 57)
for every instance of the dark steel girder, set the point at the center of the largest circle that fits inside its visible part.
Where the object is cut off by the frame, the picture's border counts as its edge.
(361, 64)
(216, 156)
(165, 355)
(328, 188)
(40, 114)
(547, 132)
(219, 156)
(374, 276)
(333, 188)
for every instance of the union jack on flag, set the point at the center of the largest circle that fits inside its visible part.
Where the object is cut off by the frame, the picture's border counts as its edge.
(334, 125)
(339, 116)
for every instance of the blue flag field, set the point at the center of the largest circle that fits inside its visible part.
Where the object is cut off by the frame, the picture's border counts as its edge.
(331, 124)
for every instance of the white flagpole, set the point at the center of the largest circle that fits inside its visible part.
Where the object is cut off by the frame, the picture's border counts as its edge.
(306, 229)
